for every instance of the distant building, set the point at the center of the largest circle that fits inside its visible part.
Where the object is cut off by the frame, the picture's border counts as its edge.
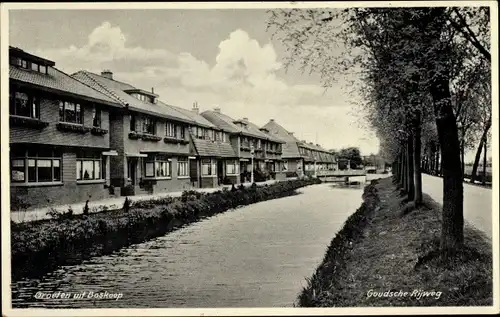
(246, 137)
(301, 155)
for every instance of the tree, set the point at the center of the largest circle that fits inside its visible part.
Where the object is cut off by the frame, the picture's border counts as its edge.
(352, 154)
(413, 54)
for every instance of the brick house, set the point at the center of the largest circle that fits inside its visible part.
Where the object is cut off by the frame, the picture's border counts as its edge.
(151, 138)
(217, 160)
(301, 156)
(59, 143)
(245, 137)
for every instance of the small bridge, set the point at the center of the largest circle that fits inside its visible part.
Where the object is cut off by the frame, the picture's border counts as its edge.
(340, 175)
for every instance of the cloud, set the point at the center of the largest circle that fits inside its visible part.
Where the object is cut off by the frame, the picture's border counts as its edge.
(106, 48)
(243, 81)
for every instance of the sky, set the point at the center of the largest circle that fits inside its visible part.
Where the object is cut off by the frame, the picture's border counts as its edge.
(218, 58)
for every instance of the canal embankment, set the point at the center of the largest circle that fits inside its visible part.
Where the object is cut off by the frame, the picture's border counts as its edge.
(381, 258)
(38, 247)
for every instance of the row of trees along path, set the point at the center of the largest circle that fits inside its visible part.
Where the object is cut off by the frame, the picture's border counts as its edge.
(424, 77)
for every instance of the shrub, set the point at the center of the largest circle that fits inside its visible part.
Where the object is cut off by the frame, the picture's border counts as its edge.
(128, 190)
(86, 208)
(18, 204)
(291, 174)
(126, 205)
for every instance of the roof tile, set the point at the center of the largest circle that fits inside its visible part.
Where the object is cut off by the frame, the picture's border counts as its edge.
(58, 80)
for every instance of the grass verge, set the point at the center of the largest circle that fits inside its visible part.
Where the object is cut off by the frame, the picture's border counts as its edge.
(376, 259)
(40, 246)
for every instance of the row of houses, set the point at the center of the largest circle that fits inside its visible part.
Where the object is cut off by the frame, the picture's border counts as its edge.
(89, 136)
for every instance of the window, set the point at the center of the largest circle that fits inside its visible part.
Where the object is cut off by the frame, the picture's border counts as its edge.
(16, 61)
(132, 122)
(149, 169)
(206, 134)
(158, 166)
(70, 112)
(162, 168)
(149, 125)
(34, 66)
(43, 69)
(18, 170)
(208, 167)
(96, 117)
(24, 104)
(232, 167)
(199, 133)
(285, 166)
(24, 64)
(89, 166)
(36, 166)
(245, 142)
(182, 167)
(170, 132)
(259, 144)
(182, 132)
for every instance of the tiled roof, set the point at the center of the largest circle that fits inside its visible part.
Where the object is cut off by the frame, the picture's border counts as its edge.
(225, 123)
(222, 121)
(59, 81)
(116, 90)
(290, 148)
(196, 117)
(254, 128)
(213, 148)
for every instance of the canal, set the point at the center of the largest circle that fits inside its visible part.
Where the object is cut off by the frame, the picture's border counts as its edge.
(255, 256)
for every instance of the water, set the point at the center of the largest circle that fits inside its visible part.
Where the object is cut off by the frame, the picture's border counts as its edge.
(254, 256)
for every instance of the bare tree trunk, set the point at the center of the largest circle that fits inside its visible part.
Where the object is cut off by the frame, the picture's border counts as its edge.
(410, 171)
(405, 169)
(417, 145)
(462, 157)
(473, 176)
(452, 234)
(432, 159)
(485, 159)
(436, 165)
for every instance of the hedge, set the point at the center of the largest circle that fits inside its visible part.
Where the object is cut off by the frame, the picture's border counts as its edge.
(39, 247)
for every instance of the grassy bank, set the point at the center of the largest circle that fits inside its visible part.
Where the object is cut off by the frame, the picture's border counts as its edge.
(39, 247)
(377, 259)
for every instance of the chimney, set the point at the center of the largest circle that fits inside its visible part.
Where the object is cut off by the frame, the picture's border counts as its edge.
(271, 120)
(152, 90)
(290, 133)
(195, 107)
(217, 110)
(107, 73)
(245, 120)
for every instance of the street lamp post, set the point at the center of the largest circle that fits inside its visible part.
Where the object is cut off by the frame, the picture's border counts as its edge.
(252, 151)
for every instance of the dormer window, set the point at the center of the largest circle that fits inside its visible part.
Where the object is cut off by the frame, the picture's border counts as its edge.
(142, 95)
(23, 63)
(22, 59)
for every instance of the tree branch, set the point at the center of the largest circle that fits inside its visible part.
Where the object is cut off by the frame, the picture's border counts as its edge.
(469, 34)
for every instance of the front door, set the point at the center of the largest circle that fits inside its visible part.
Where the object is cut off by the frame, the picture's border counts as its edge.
(133, 170)
(220, 171)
